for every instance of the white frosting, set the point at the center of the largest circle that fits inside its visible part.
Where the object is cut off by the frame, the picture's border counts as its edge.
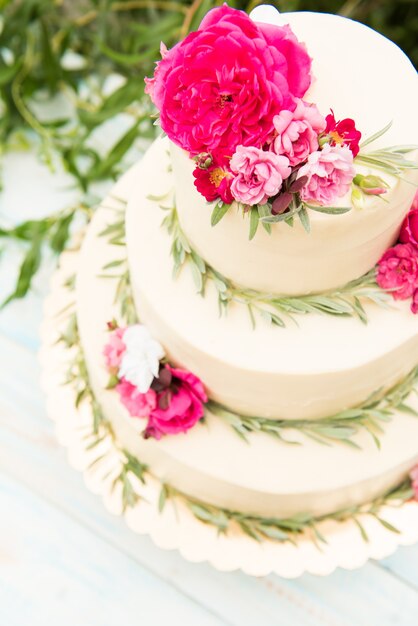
(211, 462)
(372, 82)
(321, 366)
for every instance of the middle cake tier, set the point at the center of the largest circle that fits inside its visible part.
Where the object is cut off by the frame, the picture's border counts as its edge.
(314, 369)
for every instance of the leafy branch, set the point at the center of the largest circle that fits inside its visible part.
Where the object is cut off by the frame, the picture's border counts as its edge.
(119, 269)
(342, 427)
(345, 301)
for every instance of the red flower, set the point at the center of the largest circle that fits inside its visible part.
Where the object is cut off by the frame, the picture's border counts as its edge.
(215, 181)
(409, 230)
(343, 133)
(398, 271)
(179, 404)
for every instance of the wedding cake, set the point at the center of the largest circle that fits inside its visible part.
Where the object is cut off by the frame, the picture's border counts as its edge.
(257, 350)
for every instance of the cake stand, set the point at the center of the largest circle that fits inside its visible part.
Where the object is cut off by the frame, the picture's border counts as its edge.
(175, 527)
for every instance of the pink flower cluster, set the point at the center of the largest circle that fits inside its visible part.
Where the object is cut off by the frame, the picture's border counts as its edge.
(231, 95)
(174, 402)
(397, 270)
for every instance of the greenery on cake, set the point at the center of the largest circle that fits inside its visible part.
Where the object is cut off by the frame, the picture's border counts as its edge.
(152, 400)
(224, 520)
(274, 308)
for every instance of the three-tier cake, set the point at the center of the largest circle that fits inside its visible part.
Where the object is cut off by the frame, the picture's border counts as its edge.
(256, 350)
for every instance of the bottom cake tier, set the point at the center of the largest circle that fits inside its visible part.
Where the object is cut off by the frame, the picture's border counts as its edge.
(262, 476)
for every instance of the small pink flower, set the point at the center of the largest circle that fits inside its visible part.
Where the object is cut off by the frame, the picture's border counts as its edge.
(179, 406)
(223, 84)
(414, 481)
(215, 181)
(330, 172)
(409, 229)
(138, 404)
(114, 349)
(259, 174)
(343, 133)
(398, 271)
(297, 132)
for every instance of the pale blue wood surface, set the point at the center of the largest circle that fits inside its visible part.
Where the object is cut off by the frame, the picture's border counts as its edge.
(65, 560)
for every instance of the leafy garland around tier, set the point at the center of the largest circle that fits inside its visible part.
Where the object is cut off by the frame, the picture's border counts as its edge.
(224, 520)
(342, 427)
(275, 309)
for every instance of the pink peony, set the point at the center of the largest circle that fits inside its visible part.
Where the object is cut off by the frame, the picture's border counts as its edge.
(259, 174)
(409, 230)
(138, 404)
(343, 133)
(330, 172)
(215, 181)
(114, 349)
(414, 481)
(398, 271)
(297, 132)
(179, 406)
(222, 85)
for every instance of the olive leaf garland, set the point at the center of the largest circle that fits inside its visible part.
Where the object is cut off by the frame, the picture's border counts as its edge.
(342, 427)
(339, 428)
(258, 528)
(276, 309)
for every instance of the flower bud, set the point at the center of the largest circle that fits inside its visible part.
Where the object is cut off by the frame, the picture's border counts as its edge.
(371, 185)
(204, 160)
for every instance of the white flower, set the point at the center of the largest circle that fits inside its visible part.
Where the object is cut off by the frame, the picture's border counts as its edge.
(141, 359)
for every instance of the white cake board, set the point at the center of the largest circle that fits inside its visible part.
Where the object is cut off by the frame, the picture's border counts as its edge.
(176, 527)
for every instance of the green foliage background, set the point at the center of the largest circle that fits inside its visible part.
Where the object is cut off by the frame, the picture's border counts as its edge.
(123, 37)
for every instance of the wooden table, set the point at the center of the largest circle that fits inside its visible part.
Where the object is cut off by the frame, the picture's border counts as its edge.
(65, 561)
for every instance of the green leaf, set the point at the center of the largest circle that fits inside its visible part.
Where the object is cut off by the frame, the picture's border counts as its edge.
(60, 233)
(376, 136)
(28, 269)
(220, 209)
(105, 167)
(329, 210)
(304, 218)
(197, 275)
(254, 219)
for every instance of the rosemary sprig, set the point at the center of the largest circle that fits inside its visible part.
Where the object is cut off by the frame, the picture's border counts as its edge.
(346, 301)
(342, 427)
(119, 269)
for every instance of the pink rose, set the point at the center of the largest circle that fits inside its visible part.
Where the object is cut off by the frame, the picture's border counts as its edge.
(259, 174)
(343, 133)
(297, 132)
(214, 182)
(138, 404)
(179, 406)
(114, 349)
(409, 229)
(398, 271)
(222, 85)
(330, 172)
(414, 481)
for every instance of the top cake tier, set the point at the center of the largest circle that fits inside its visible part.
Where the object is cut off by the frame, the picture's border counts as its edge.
(361, 75)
